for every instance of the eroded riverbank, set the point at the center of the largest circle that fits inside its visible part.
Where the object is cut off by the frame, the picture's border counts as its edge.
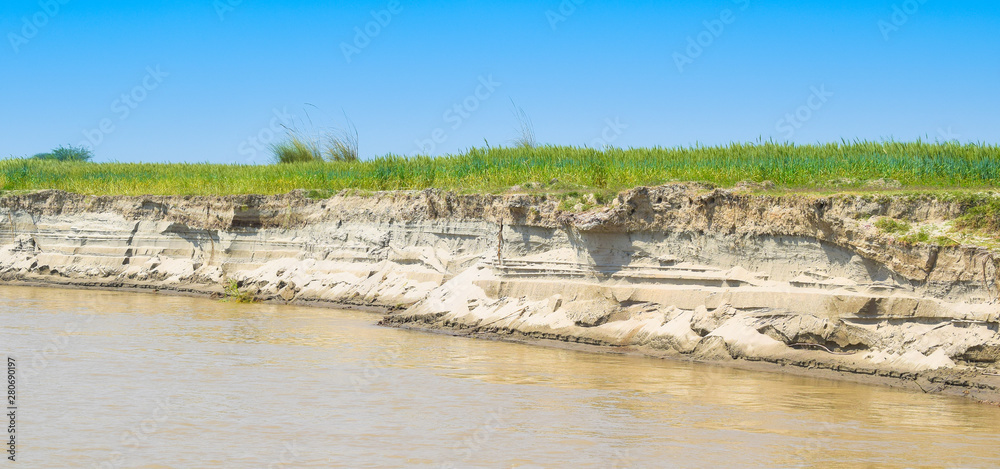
(795, 282)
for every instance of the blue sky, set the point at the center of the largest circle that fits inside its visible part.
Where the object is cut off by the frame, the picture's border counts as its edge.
(207, 81)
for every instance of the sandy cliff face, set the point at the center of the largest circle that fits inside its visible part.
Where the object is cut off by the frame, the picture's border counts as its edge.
(675, 270)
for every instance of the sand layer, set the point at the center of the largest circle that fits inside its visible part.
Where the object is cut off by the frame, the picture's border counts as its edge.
(792, 282)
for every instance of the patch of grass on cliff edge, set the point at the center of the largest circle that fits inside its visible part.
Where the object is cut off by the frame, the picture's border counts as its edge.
(914, 165)
(892, 226)
(983, 217)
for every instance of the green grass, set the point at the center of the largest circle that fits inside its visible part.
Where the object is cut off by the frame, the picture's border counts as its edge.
(916, 165)
(232, 293)
(983, 217)
(945, 241)
(341, 147)
(921, 236)
(296, 150)
(892, 226)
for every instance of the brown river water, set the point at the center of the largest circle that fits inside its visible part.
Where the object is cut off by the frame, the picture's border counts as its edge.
(134, 380)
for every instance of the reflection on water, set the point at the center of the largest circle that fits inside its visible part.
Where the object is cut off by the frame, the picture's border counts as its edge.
(129, 380)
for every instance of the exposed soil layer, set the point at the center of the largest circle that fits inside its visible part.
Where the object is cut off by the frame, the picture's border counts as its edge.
(793, 283)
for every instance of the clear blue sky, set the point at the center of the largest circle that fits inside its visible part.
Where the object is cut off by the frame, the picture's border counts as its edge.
(878, 69)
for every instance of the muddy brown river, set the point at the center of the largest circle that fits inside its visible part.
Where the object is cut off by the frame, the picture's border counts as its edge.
(133, 380)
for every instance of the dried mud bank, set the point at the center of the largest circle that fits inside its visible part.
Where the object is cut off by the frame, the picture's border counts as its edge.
(799, 282)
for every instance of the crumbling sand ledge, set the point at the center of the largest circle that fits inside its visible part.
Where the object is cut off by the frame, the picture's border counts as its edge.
(801, 283)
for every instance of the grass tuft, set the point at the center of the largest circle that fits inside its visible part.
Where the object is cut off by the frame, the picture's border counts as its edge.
(343, 145)
(922, 236)
(296, 150)
(892, 226)
(525, 129)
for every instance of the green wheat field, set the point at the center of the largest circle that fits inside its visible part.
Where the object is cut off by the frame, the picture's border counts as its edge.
(833, 166)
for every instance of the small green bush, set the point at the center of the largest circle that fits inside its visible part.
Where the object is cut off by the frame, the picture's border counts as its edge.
(67, 153)
(232, 293)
